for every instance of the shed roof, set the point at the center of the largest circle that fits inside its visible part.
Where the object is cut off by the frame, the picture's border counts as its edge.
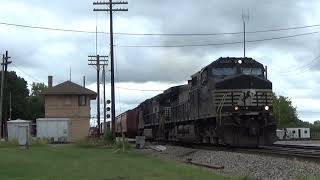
(18, 121)
(68, 88)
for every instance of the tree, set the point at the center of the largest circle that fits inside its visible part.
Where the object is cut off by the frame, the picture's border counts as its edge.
(35, 108)
(37, 88)
(285, 113)
(17, 86)
(316, 123)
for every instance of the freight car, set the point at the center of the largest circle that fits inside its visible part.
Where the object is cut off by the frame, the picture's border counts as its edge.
(228, 102)
(127, 123)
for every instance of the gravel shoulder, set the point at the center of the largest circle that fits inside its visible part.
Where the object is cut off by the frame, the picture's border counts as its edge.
(236, 164)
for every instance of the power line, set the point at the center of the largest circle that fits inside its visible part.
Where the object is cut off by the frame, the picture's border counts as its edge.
(35, 79)
(156, 34)
(124, 88)
(218, 44)
(133, 89)
(303, 68)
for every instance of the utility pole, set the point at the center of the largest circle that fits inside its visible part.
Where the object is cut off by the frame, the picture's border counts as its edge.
(4, 65)
(111, 10)
(96, 61)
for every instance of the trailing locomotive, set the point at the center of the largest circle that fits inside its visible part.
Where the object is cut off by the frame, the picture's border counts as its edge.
(228, 102)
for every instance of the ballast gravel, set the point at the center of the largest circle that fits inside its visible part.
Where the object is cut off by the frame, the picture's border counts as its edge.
(250, 166)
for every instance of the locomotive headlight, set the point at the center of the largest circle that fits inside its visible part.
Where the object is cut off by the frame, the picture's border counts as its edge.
(236, 108)
(266, 108)
(240, 61)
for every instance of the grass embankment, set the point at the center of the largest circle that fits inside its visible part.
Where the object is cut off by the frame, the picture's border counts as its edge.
(74, 162)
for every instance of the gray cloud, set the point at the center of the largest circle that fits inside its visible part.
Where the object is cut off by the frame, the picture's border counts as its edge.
(40, 53)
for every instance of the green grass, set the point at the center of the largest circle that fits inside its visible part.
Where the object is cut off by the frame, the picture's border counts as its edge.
(72, 162)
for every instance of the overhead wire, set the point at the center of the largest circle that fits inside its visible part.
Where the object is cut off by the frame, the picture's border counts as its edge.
(157, 34)
(30, 76)
(301, 69)
(134, 89)
(217, 44)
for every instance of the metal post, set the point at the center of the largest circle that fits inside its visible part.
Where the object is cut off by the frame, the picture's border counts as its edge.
(104, 98)
(84, 81)
(244, 39)
(244, 18)
(98, 92)
(266, 72)
(10, 107)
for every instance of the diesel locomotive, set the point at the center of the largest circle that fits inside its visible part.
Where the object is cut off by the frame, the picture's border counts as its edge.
(228, 102)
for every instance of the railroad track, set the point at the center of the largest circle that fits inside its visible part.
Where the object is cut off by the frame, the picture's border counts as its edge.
(296, 151)
(288, 151)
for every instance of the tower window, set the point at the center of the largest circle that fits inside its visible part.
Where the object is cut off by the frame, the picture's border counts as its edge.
(82, 100)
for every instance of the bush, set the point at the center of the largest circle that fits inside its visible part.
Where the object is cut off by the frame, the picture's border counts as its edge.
(38, 142)
(90, 142)
(11, 143)
(109, 138)
(122, 144)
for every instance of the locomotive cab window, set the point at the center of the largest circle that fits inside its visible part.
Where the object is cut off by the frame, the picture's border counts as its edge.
(252, 71)
(224, 71)
(204, 77)
(194, 81)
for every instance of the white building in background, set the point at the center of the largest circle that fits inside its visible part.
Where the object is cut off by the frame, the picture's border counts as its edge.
(293, 133)
(20, 131)
(54, 129)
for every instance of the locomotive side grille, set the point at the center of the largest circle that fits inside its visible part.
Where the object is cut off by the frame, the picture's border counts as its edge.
(167, 112)
(247, 97)
(231, 97)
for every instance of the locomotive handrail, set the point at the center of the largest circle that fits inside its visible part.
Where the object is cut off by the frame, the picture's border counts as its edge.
(220, 107)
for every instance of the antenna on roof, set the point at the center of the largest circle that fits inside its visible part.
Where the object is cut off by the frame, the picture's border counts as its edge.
(96, 33)
(70, 73)
(245, 17)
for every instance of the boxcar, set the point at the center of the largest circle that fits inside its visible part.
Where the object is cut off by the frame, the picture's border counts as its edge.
(127, 123)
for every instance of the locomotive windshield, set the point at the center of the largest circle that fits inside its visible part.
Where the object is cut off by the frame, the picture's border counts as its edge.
(224, 71)
(252, 71)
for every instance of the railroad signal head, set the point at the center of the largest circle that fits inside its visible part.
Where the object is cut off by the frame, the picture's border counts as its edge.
(108, 101)
(108, 116)
(108, 108)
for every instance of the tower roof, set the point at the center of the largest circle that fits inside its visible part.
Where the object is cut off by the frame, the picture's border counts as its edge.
(68, 88)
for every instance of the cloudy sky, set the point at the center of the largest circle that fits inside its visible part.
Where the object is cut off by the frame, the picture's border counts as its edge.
(293, 63)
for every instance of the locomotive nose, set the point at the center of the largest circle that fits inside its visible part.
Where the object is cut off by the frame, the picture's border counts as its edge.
(243, 81)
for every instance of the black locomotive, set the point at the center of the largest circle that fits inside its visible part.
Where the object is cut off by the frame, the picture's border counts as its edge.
(228, 102)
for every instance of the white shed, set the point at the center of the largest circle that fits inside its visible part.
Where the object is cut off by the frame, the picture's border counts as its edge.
(57, 129)
(14, 130)
(297, 133)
